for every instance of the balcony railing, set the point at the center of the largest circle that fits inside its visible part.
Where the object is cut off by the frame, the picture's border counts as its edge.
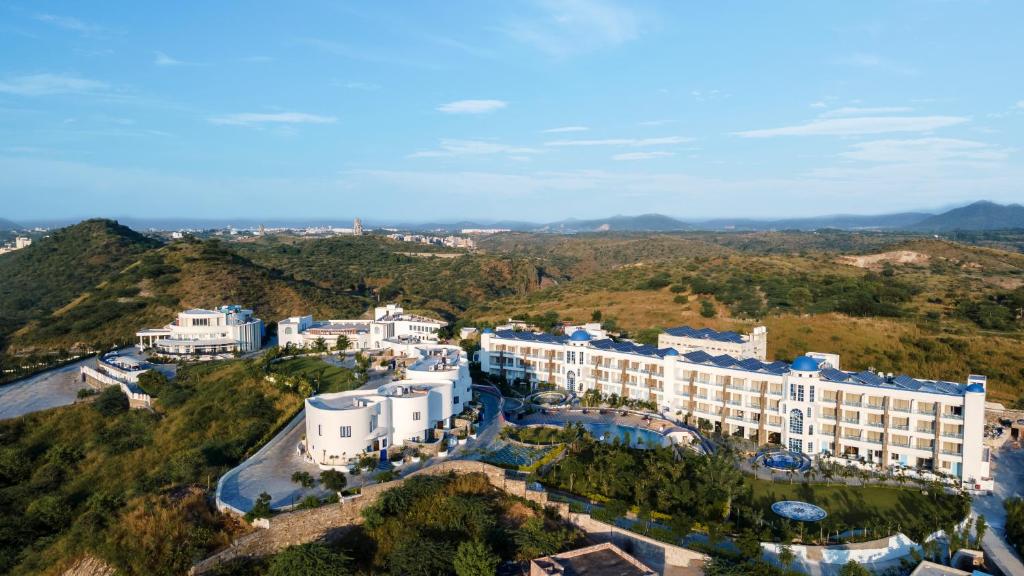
(951, 416)
(925, 430)
(853, 403)
(851, 420)
(876, 406)
(851, 436)
(952, 452)
(876, 424)
(900, 409)
(952, 435)
(899, 427)
(900, 444)
(926, 412)
(874, 440)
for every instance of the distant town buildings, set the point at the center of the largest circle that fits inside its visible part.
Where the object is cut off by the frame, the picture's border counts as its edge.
(809, 406)
(390, 326)
(357, 227)
(449, 241)
(200, 333)
(481, 231)
(19, 243)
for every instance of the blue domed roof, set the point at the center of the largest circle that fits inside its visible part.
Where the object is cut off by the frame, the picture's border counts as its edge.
(805, 364)
(671, 352)
(488, 331)
(580, 336)
(976, 388)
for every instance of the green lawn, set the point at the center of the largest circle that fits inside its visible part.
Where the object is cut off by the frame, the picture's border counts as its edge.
(332, 378)
(874, 507)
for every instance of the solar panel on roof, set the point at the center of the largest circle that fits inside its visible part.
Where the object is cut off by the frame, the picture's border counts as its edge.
(833, 375)
(907, 382)
(697, 356)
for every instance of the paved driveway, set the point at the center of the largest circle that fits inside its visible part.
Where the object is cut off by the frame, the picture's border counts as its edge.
(270, 469)
(1008, 465)
(50, 389)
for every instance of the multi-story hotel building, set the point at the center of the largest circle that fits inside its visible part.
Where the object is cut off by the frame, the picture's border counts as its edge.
(809, 406)
(199, 332)
(389, 323)
(344, 425)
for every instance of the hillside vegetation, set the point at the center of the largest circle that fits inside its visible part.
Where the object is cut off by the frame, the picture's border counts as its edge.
(55, 270)
(131, 486)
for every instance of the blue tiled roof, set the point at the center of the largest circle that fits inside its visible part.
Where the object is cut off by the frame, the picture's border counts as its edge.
(631, 348)
(746, 364)
(901, 382)
(706, 334)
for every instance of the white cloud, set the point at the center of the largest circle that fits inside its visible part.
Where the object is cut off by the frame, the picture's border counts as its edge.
(1020, 103)
(472, 106)
(565, 129)
(257, 118)
(566, 27)
(631, 142)
(876, 62)
(858, 126)
(69, 23)
(923, 150)
(819, 104)
(367, 86)
(162, 59)
(453, 147)
(642, 155)
(49, 84)
(855, 111)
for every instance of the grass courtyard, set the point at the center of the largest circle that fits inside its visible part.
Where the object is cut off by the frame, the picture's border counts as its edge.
(881, 509)
(313, 369)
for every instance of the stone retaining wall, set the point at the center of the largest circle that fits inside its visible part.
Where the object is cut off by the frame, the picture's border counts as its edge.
(333, 520)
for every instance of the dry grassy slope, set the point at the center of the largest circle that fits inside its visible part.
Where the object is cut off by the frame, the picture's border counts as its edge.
(202, 281)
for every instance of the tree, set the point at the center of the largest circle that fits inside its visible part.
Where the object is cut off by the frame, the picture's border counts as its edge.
(320, 345)
(786, 556)
(980, 526)
(313, 559)
(707, 309)
(853, 568)
(800, 297)
(333, 480)
(595, 316)
(342, 343)
(422, 556)
(260, 509)
(475, 558)
(111, 402)
(302, 478)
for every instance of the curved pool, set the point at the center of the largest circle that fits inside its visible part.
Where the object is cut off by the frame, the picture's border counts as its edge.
(609, 432)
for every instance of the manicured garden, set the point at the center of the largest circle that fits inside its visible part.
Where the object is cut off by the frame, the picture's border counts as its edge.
(516, 457)
(882, 510)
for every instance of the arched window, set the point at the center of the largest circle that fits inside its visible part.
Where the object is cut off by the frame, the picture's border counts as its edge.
(796, 421)
(570, 381)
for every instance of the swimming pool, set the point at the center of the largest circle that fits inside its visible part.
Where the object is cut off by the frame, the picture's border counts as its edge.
(608, 433)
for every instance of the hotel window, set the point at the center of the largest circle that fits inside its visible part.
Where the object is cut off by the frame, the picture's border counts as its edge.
(792, 391)
(796, 422)
(415, 415)
(455, 400)
(346, 431)
(800, 393)
(319, 431)
(812, 393)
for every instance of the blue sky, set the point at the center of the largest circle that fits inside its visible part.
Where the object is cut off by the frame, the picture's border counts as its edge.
(534, 110)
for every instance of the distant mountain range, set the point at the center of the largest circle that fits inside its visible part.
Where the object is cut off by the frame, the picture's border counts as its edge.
(8, 225)
(981, 215)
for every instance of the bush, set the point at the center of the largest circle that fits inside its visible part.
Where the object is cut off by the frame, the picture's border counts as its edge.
(313, 559)
(111, 402)
(707, 309)
(333, 480)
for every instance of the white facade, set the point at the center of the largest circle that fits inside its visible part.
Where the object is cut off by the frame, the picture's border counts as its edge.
(685, 339)
(810, 406)
(200, 332)
(389, 324)
(342, 426)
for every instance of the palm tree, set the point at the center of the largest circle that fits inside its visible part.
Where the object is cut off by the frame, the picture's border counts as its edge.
(790, 473)
(810, 474)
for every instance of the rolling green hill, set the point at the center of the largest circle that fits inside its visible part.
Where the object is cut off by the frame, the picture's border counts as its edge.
(53, 271)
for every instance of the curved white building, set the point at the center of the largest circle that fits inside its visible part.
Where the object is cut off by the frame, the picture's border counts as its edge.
(390, 325)
(342, 426)
(200, 332)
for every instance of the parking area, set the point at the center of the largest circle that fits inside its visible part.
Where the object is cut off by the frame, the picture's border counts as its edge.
(50, 389)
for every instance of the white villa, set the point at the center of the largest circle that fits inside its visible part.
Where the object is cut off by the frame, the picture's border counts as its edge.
(810, 406)
(199, 332)
(344, 425)
(390, 324)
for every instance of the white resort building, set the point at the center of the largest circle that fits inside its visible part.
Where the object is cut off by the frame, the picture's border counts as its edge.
(390, 324)
(206, 333)
(344, 425)
(810, 406)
